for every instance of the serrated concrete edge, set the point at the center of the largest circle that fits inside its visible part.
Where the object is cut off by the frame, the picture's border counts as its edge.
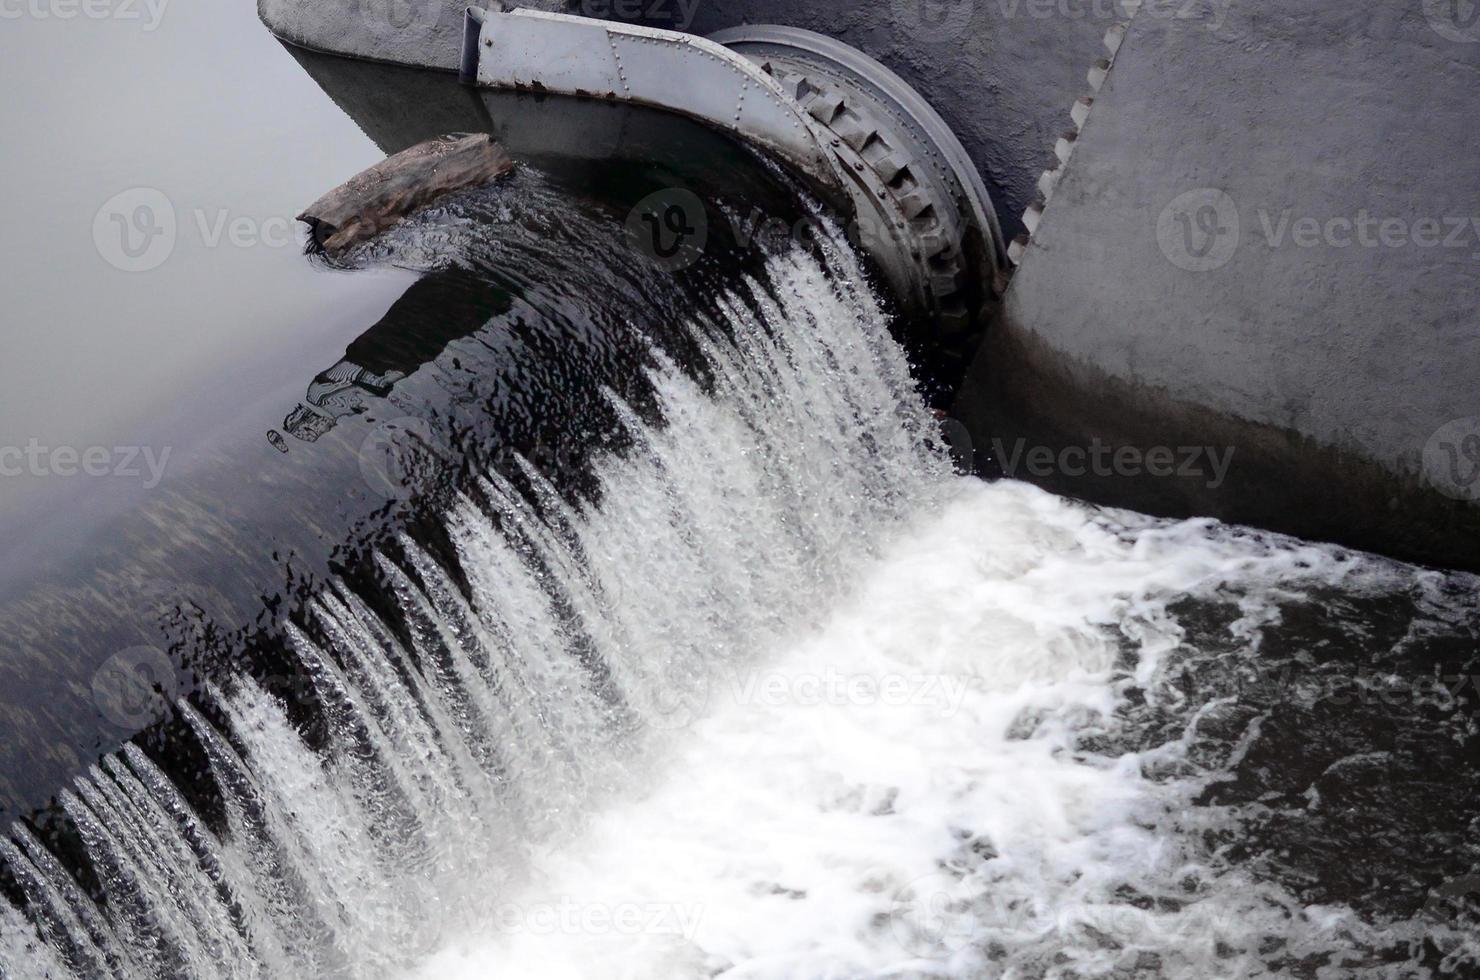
(1079, 114)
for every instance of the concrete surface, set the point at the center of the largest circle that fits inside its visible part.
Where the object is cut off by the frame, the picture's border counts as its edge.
(1267, 239)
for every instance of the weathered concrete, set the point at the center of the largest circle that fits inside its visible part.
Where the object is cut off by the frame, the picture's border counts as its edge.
(1214, 269)
(409, 32)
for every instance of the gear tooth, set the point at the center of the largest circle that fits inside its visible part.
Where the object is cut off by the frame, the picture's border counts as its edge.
(1080, 112)
(1097, 73)
(914, 204)
(935, 246)
(1016, 249)
(1032, 216)
(1063, 148)
(825, 107)
(793, 84)
(1114, 37)
(945, 283)
(890, 166)
(1128, 8)
(1047, 182)
(853, 131)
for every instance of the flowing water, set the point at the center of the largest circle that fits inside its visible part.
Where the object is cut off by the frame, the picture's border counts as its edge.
(507, 605)
(777, 694)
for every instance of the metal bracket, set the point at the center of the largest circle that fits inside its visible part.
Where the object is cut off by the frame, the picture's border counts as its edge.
(534, 51)
(840, 120)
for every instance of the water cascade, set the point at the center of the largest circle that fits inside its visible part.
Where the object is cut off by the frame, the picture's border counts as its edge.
(781, 697)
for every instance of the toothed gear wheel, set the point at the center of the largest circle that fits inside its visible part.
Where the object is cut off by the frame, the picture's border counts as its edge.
(870, 141)
(898, 149)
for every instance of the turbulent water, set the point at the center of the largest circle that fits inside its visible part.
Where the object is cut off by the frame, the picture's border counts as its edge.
(781, 697)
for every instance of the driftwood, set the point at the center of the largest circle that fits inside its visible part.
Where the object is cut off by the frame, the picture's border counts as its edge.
(392, 190)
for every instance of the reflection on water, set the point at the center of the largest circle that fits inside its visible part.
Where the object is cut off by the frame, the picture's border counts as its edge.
(545, 505)
(443, 306)
(514, 304)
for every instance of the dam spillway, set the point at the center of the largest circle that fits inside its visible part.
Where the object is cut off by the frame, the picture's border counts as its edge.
(775, 580)
(525, 603)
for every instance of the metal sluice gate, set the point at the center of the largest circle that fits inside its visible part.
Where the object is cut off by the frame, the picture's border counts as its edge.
(857, 133)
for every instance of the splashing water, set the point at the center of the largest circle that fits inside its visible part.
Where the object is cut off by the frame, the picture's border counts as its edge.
(786, 699)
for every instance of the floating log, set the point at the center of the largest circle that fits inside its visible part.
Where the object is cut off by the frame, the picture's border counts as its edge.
(394, 189)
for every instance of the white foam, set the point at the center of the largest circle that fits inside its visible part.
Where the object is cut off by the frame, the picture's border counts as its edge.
(859, 806)
(787, 701)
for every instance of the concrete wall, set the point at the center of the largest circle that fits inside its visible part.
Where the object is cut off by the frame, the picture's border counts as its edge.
(1268, 239)
(409, 32)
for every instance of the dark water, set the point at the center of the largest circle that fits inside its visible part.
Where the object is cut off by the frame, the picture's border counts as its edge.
(301, 413)
(265, 414)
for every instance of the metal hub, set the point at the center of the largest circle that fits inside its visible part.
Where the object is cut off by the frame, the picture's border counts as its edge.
(918, 182)
(852, 128)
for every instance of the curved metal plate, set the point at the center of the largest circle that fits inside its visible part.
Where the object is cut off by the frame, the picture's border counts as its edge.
(530, 50)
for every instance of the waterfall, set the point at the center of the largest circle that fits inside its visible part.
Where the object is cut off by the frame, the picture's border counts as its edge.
(514, 687)
(779, 696)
